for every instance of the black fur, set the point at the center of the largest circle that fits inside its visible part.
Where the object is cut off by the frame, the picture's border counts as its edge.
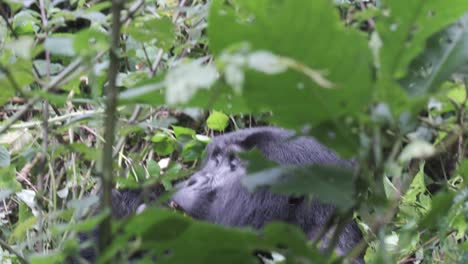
(216, 194)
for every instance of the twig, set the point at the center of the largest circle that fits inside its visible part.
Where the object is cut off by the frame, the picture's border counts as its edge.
(57, 119)
(45, 124)
(155, 65)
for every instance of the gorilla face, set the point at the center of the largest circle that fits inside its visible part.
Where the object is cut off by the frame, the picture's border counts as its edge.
(216, 194)
(220, 175)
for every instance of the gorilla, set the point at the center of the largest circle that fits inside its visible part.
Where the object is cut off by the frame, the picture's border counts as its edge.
(216, 194)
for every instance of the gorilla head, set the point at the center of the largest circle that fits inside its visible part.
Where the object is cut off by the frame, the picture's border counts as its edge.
(215, 193)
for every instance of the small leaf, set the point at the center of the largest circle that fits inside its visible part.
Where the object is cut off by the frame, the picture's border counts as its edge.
(20, 230)
(4, 157)
(183, 131)
(8, 179)
(60, 45)
(217, 121)
(193, 150)
(154, 170)
(89, 41)
(163, 144)
(21, 47)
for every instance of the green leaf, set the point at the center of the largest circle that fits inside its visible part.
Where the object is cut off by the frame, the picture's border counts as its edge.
(217, 121)
(308, 32)
(162, 29)
(193, 150)
(26, 22)
(405, 26)
(60, 45)
(90, 41)
(441, 203)
(21, 47)
(8, 180)
(49, 258)
(183, 131)
(445, 53)
(87, 152)
(44, 68)
(146, 91)
(163, 144)
(20, 230)
(20, 76)
(463, 170)
(154, 169)
(332, 185)
(4, 157)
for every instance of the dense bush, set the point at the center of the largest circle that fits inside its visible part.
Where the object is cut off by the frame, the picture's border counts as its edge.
(128, 93)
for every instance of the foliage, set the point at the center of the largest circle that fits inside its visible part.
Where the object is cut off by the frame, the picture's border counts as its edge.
(383, 82)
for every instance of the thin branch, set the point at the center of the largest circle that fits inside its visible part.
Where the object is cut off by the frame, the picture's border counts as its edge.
(57, 119)
(45, 113)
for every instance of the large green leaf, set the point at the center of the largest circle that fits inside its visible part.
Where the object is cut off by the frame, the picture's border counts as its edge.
(146, 29)
(329, 184)
(184, 239)
(405, 26)
(308, 32)
(444, 54)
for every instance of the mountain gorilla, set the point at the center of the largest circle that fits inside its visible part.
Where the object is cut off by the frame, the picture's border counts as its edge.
(215, 193)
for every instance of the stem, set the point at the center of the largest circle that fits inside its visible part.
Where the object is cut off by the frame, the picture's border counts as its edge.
(109, 123)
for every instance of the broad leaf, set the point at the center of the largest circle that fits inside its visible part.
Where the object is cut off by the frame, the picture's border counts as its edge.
(405, 26)
(329, 184)
(308, 32)
(444, 54)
